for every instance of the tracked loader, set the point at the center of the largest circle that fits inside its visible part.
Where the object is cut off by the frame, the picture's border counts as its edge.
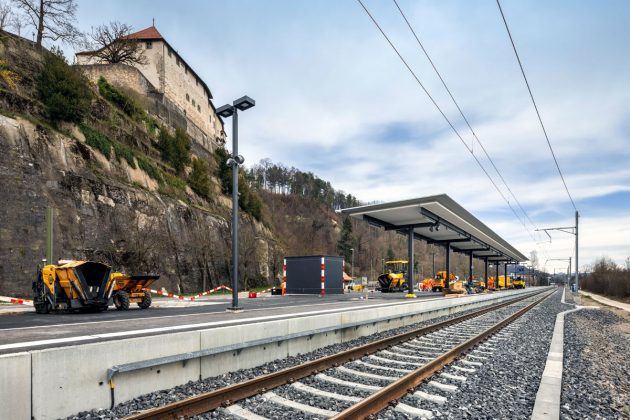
(87, 285)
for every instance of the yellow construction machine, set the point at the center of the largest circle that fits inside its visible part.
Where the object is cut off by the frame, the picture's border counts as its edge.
(87, 285)
(439, 285)
(394, 278)
(518, 283)
(502, 284)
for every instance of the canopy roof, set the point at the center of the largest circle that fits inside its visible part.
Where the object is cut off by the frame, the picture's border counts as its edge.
(438, 219)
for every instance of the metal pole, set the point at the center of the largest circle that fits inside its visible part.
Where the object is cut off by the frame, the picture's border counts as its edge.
(505, 271)
(447, 278)
(49, 235)
(485, 271)
(496, 280)
(235, 211)
(410, 269)
(569, 276)
(352, 267)
(433, 255)
(470, 267)
(577, 274)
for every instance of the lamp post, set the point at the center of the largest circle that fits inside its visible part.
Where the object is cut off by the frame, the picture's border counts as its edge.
(352, 268)
(234, 162)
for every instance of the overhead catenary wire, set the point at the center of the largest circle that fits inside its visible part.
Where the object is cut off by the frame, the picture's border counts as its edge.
(461, 112)
(443, 114)
(531, 95)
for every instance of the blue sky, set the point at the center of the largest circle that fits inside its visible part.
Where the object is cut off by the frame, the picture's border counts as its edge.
(333, 98)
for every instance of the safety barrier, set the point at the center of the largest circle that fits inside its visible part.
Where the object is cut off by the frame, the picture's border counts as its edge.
(16, 301)
(191, 298)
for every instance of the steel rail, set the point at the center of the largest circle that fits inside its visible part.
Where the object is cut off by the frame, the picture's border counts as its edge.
(225, 396)
(379, 400)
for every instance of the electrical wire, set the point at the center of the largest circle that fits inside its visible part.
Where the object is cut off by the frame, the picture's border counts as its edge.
(443, 114)
(461, 112)
(531, 95)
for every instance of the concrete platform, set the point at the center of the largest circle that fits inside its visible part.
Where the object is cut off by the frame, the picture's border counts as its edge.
(74, 358)
(28, 330)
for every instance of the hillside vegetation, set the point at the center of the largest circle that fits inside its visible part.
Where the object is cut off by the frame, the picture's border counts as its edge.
(128, 190)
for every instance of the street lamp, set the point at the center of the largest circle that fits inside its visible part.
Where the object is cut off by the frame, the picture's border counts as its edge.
(234, 162)
(352, 268)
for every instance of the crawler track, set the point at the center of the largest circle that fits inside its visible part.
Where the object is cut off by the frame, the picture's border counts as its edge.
(381, 372)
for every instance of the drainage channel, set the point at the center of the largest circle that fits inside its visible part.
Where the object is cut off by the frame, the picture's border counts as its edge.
(362, 381)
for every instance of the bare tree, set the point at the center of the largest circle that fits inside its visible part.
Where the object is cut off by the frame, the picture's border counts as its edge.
(5, 15)
(53, 19)
(111, 44)
(17, 23)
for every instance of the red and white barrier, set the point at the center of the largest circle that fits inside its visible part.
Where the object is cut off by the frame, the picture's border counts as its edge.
(16, 301)
(174, 296)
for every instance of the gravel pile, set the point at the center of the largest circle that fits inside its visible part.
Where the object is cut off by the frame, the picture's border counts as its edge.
(596, 379)
(192, 388)
(505, 386)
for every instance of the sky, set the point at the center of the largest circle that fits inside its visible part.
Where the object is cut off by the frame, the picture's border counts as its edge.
(333, 98)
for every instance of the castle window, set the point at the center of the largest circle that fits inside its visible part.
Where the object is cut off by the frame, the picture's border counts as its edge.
(193, 102)
(149, 45)
(170, 53)
(198, 108)
(178, 62)
(187, 97)
(197, 82)
(185, 69)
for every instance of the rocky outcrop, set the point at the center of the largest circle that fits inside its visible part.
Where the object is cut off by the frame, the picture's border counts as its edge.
(105, 210)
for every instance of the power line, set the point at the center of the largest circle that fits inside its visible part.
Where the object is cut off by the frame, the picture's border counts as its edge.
(443, 114)
(462, 112)
(531, 95)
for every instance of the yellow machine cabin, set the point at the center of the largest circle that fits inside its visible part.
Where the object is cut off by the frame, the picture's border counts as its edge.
(439, 285)
(502, 284)
(518, 283)
(394, 278)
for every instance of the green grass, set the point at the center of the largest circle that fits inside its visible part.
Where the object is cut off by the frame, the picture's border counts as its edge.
(150, 169)
(124, 152)
(97, 140)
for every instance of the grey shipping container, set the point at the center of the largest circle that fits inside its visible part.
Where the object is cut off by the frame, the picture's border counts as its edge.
(304, 275)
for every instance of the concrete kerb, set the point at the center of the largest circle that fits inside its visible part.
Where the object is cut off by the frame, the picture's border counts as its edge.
(15, 388)
(547, 404)
(81, 371)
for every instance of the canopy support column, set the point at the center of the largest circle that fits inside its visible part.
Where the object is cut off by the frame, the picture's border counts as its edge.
(447, 278)
(411, 263)
(485, 271)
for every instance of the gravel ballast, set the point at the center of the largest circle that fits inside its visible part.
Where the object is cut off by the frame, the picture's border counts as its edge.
(192, 388)
(505, 385)
(596, 377)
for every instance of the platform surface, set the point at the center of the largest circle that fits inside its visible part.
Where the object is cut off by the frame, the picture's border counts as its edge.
(28, 330)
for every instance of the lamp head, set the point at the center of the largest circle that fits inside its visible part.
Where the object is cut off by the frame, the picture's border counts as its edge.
(225, 111)
(244, 103)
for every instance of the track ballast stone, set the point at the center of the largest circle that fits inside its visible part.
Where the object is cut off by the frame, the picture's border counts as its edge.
(596, 377)
(505, 386)
(192, 388)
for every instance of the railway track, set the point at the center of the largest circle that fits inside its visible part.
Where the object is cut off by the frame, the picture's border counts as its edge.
(411, 373)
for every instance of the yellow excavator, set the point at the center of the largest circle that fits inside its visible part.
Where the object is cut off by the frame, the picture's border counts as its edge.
(394, 279)
(87, 285)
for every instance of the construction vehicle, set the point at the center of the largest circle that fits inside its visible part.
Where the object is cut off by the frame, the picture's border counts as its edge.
(83, 285)
(129, 289)
(394, 278)
(518, 282)
(439, 285)
(502, 284)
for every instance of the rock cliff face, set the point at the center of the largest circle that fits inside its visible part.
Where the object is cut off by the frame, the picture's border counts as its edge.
(97, 215)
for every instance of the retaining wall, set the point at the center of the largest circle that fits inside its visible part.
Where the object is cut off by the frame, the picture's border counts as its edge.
(67, 380)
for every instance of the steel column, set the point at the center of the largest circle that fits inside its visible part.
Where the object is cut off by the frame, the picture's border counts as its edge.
(577, 273)
(485, 271)
(448, 266)
(410, 240)
(235, 211)
(505, 281)
(496, 279)
(470, 266)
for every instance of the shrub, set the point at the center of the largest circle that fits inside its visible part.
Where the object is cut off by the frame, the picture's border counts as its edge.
(150, 169)
(63, 90)
(8, 76)
(174, 181)
(607, 278)
(249, 200)
(124, 152)
(175, 149)
(123, 101)
(198, 178)
(97, 140)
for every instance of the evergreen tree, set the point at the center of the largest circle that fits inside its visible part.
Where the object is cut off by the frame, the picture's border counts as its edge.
(346, 241)
(198, 178)
(390, 254)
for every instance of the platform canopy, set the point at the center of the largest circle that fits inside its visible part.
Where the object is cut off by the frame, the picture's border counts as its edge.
(439, 220)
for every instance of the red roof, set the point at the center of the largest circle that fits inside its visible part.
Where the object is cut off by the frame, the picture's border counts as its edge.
(149, 33)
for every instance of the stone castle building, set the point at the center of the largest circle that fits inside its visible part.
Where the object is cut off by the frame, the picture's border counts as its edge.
(174, 92)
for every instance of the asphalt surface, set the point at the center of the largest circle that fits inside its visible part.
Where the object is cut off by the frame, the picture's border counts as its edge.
(28, 330)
